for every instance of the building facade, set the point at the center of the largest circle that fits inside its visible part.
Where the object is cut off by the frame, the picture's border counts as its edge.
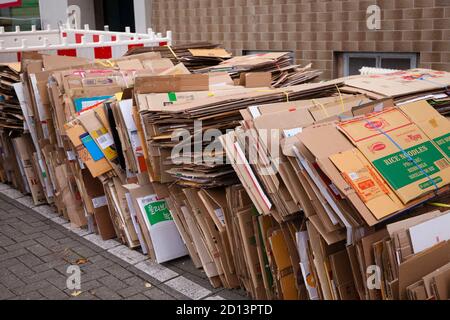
(336, 36)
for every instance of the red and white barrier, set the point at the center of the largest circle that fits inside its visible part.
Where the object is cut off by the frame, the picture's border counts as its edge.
(86, 43)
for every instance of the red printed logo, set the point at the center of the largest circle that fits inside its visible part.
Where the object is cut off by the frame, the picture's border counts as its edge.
(413, 137)
(377, 146)
(374, 125)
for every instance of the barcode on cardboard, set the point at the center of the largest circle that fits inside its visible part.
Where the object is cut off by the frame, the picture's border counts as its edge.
(105, 141)
(99, 202)
(442, 164)
(220, 216)
(71, 155)
(353, 175)
(292, 132)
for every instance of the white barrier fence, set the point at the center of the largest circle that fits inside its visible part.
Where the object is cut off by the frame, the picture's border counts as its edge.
(86, 43)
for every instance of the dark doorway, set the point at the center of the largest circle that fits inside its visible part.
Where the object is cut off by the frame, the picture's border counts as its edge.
(117, 14)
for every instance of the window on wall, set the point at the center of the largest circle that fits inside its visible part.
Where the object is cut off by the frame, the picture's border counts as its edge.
(354, 61)
(25, 15)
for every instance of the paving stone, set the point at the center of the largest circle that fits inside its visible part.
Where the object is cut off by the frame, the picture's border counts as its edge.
(188, 288)
(21, 270)
(34, 295)
(59, 220)
(105, 293)
(53, 293)
(156, 271)
(89, 285)
(36, 230)
(130, 291)
(157, 294)
(4, 186)
(112, 283)
(118, 272)
(11, 281)
(235, 294)
(45, 211)
(204, 282)
(48, 274)
(58, 280)
(5, 241)
(39, 224)
(27, 201)
(5, 293)
(215, 298)
(7, 263)
(127, 254)
(101, 262)
(46, 241)
(138, 297)
(12, 193)
(78, 231)
(93, 275)
(39, 250)
(35, 253)
(31, 287)
(55, 234)
(52, 264)
(108, 244)
(83, 296)
(186, 265)
(30, 260)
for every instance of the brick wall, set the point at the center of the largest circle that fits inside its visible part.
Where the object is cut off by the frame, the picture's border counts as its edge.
(314, 30)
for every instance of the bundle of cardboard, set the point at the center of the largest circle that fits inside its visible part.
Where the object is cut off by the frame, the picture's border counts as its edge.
(193, 55)
(288, 190)
(346, 165)
(278, 65)
(10, 114)
(405, 86)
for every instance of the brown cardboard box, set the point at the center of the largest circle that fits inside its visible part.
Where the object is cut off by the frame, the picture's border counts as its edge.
(23, 146)
(172, 83)
(256, 79)
(74, 131)
(422, 264)
(435, 126)
(96, 193)
(389, 140)
(367, 183)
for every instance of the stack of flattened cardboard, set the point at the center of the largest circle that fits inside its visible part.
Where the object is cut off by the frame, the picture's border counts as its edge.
(325, 169)
(184, 107)
(193, 55)
(11, 126)
(278, 64)
(406, 86)
(344, 180)
(10, 166)
(11, 116)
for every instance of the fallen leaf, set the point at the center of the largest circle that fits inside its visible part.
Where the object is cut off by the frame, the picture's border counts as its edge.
(75, 293)
(81, 261)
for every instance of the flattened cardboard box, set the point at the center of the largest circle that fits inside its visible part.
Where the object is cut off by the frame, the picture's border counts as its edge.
(77, 134)
(400, 151)
(159, 229)
(23, 148)
(435, 126)
(172, 83)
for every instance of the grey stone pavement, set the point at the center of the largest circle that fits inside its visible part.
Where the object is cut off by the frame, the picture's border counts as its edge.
(35, 252)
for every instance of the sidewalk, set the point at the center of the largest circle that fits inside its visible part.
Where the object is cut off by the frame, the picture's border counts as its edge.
(37, 247)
